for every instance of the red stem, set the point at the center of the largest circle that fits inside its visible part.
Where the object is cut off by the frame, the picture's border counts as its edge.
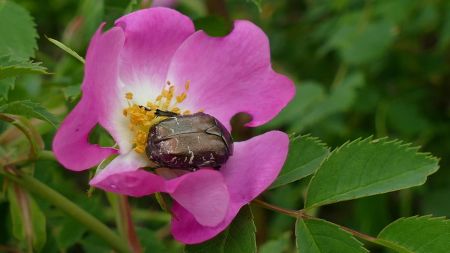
(128, 225)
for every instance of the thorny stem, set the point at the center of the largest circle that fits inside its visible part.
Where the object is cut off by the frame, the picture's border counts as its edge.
(300, 214)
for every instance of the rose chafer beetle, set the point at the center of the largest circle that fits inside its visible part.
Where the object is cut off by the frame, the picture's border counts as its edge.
(188, 141)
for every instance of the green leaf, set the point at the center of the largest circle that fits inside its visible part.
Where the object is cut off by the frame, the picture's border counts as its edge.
(305, 155)
(238, 238)
(368, 167)
(92, 243)
(71, 232)
(18, 33)
(319, 236)
(113, 9)
(149, 241)
(27, 218)
(340, 99)
(215, 26)
(12, 68)
(67, 49)
(28, 108)
(72, 93)
(423, 234)
(6, 85)
(308, 94)
(362, 43)
(257, 3)
(279, 245)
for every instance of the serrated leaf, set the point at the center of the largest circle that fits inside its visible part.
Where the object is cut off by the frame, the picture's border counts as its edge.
(368, 167)
(319, 236)
(28, 108)
(27, 218)
(11, 68)
(305, 155)
(18, 33)
(423, 234)
(238, 238)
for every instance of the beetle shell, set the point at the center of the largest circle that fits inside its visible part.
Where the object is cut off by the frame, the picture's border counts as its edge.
(189, 142)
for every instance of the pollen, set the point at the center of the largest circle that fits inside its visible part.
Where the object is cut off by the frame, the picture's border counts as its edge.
(129, 95)
(142, 117)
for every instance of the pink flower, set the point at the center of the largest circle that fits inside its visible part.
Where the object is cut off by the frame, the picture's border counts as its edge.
(155, 58)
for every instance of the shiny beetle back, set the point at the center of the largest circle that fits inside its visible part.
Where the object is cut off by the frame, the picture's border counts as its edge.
(189, 142)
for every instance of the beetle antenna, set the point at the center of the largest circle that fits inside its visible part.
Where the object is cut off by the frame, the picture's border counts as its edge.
(145, 108)
(165, 113)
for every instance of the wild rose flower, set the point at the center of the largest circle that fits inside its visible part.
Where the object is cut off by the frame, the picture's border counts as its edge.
(155, 58)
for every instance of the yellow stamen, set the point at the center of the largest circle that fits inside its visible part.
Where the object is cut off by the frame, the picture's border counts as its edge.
(143, 118)
(182, 97)
(129, 95)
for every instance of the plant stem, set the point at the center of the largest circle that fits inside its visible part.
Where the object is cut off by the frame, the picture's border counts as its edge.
(292, 213)
(127, 225)
(24, 161)
(46, 155)
(36, 142)
(300, 214)
(39, 189)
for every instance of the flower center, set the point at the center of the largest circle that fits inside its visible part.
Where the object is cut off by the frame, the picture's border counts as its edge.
(143, 117)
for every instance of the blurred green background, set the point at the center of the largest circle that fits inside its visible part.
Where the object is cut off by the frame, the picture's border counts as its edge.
(362, 68)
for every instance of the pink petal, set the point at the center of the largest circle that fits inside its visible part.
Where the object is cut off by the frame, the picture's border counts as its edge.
(231, 74)
(188, 230)
(140, 48)
(254, 166)
(203, 193)
(136, 183)
(121, 175)
(152, 37)
(70, 144)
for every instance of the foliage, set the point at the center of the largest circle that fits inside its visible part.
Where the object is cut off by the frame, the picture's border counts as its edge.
(239, 237)
(318, 236)
(418, 234)
(362, 68)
